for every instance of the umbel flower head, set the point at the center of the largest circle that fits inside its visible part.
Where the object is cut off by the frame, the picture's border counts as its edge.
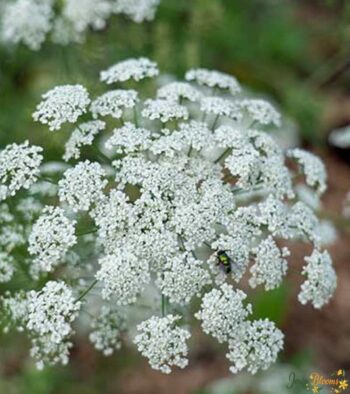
(163, 343)
(167, 200)
(19, 168)
(62, 104)
(50, 314)
(31, 22)
(107, 330)
(52, 235)
(26, 21)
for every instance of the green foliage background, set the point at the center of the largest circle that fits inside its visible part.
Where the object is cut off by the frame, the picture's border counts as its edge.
(284, 48)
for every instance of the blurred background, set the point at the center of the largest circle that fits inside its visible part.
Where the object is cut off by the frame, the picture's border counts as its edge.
(294, 52)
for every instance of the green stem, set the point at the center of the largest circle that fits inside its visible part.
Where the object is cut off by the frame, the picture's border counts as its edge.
(87, 291)
(182, 246)
(335, 63)
(87, 232)
(18, 260)
(163, 305)
(252, 124)
(101, 156)
(135, 118)
(222, 155)
(88, 313)
(215, 122)
(48, 180)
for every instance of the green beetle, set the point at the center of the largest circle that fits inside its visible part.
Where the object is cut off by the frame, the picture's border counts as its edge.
(224, 261)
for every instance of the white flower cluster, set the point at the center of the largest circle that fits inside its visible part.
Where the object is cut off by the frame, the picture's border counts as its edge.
(82, 136)
(253, 345)
(50, 314)
(164, 110)
(137, 10)
(128, 139)
(182, 279)
(7, 268)
(261, 111)
(14, 308)
(113, 103)
(213, 79)
(62, 104)
(26, 21)
(53, 234)
(31, 21)
(86, 13)
(219, 107)
(270, 266)
(321, 279)
(314, 169)
(178, 91)
(179, 198)
(82, 186)
(136, 69)
(163, 343)
(19, 168)
(106, 331)
(14, 228)
(123, 276)
(47, 315)
(222, 312)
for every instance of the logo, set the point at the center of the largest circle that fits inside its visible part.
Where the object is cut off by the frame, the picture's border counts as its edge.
(316, 383)
(336, 383)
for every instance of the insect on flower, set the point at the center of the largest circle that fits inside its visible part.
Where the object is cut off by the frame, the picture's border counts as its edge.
(223, 261)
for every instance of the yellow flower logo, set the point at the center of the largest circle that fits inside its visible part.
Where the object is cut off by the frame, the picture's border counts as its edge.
(336, 382)
(343, 384)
